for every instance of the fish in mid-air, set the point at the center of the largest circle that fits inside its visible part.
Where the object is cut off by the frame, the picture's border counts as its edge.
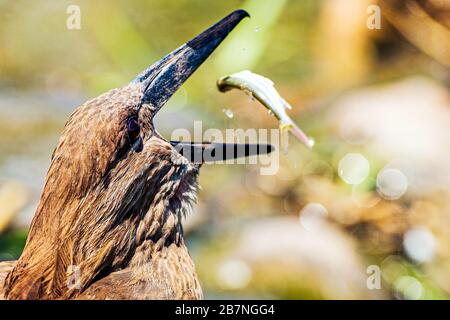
(264, 91)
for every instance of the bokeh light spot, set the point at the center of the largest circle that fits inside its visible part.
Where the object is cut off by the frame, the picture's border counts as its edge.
(409, 287)
(419, 244)
(391, 183)
(234, 274)
(312, 216)
(353, 168)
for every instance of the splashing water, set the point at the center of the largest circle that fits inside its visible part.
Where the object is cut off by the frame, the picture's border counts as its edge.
(249, 94)
(228, 113)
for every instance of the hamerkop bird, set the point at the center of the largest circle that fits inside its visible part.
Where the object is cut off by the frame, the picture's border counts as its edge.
(108, 225)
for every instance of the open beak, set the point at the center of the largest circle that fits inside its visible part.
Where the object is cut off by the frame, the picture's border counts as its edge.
(208, 152)
(164, 77)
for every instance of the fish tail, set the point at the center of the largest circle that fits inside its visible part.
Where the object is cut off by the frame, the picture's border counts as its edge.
(298, 133)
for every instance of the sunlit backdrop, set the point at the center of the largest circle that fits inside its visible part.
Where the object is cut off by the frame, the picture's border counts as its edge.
(365, 214)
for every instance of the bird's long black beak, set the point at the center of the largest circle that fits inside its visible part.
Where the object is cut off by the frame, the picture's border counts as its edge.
(207, 152)
(164, 77)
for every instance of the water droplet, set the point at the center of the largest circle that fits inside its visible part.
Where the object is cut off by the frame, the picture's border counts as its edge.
(312, 142)
(256, 29)
(228, 113)
(249, 94)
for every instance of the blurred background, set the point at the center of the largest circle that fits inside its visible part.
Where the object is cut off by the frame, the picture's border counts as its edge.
(365, 215)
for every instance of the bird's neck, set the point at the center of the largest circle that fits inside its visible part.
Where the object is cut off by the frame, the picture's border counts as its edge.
(79, 246)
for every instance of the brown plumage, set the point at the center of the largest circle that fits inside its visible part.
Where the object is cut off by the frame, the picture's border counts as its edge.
(108, 225)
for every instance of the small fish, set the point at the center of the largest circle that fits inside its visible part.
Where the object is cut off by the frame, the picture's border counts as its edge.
(263, 90)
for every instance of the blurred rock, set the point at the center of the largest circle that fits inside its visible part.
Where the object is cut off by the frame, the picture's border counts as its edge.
(406, 121)
(277, 257)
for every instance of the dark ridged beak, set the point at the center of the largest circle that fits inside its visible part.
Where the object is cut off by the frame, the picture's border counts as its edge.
(207, 152)
(163, 78)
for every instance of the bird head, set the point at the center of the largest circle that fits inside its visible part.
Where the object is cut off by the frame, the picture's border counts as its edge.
(115, 185)
(116, 130)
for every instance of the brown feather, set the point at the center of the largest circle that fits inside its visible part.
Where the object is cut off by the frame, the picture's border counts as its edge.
(111, 213)
(108, 224)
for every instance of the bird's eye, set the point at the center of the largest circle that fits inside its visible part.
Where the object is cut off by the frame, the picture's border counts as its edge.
(133, 128)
